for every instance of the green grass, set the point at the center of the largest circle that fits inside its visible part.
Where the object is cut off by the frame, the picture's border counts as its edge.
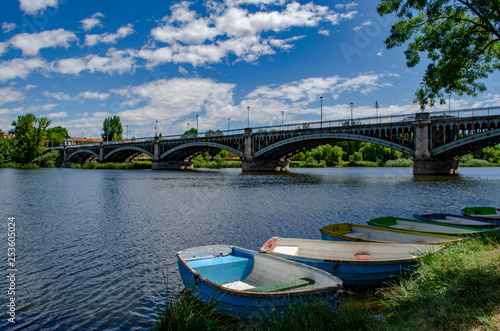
(399, 163)
(478, 163)
(114, 166)
(457, 288)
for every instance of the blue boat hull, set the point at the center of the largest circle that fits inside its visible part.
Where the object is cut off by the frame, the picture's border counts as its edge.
(246, 304)
(360, 274)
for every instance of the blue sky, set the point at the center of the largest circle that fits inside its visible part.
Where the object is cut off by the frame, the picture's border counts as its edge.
(78, 62)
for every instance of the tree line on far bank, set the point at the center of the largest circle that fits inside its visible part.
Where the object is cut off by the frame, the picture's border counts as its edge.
(30, 135)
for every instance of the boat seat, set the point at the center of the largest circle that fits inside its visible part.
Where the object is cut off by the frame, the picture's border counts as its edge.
(283, 286)
(360, 235)
(238, 285)
(288, 250)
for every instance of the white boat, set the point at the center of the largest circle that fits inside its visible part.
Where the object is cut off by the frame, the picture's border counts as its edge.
(391, 222)
(356, 263)
(457, 220)
(359, 232)
(487, 213)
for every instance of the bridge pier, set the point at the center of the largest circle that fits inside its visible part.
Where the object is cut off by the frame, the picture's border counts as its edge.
(432, 166)
(264, 165)
(423, 161)
(249, 163)
(172, 165)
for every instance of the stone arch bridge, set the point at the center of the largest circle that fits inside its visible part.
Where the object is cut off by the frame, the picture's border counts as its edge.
(434, 140)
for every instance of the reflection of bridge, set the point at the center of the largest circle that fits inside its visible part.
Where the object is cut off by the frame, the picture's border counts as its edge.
(434, 140)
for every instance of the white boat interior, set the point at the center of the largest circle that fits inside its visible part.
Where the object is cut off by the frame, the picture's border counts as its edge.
(347, 251)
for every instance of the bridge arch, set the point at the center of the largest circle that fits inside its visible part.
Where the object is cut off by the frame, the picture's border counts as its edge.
(132, 149)
(189, 149)
(297, 143)
(82, 153)
(468, 144)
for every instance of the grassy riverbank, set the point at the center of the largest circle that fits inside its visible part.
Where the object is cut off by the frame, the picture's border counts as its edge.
(457, 288)
(115, 166)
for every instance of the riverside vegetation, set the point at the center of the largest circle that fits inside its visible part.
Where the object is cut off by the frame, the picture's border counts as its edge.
(457, 288)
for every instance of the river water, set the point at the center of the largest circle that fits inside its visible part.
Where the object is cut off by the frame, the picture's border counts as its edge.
(95, 249)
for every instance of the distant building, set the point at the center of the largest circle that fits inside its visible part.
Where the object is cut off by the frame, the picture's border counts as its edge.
(80, 141)
(7, 135)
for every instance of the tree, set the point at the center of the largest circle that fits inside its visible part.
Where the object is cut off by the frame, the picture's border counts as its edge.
(57, 135)
(112, 129)
(191, 133)
(214, 151)
(29, 139)
(461, 38)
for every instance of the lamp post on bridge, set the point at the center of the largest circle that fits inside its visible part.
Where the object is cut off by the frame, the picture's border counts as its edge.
(351, 111)
(197, 123)
(228, 123)
(282, 116)
(376, 110)
(321, 118)
(248, 109)
(127, 131)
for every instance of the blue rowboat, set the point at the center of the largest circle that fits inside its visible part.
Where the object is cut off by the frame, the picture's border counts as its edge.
(366, 233)
(427, 227)
(472, 222)
(246, 284)
(356, 263)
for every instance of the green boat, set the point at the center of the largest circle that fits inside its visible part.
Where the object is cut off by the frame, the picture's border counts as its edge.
(428, 227)
(486, 213)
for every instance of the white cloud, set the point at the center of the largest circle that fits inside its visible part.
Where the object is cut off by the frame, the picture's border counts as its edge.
(30, 44)
(301, 93)
(60, 114)
(91, 22)
(60, 96)
(8, 27)
(30, 87)
(94, 95)
(3, 47)
(20, 68)
(171, 100)
(32, 7)
(114, 62)
(230, 29)
(324, 32)
(9, 94)
(109, 38)
(363, 25)
(346, 5)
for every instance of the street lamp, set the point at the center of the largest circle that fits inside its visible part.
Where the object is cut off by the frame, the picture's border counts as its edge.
(197, 123)
(156, 128)
(248, 108)
(127, 131)
(351, 112)
(321, 118)
(282, 116)
(228, 123)
(376, 110)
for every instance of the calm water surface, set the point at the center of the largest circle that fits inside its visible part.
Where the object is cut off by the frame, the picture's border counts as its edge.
(95, 248)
